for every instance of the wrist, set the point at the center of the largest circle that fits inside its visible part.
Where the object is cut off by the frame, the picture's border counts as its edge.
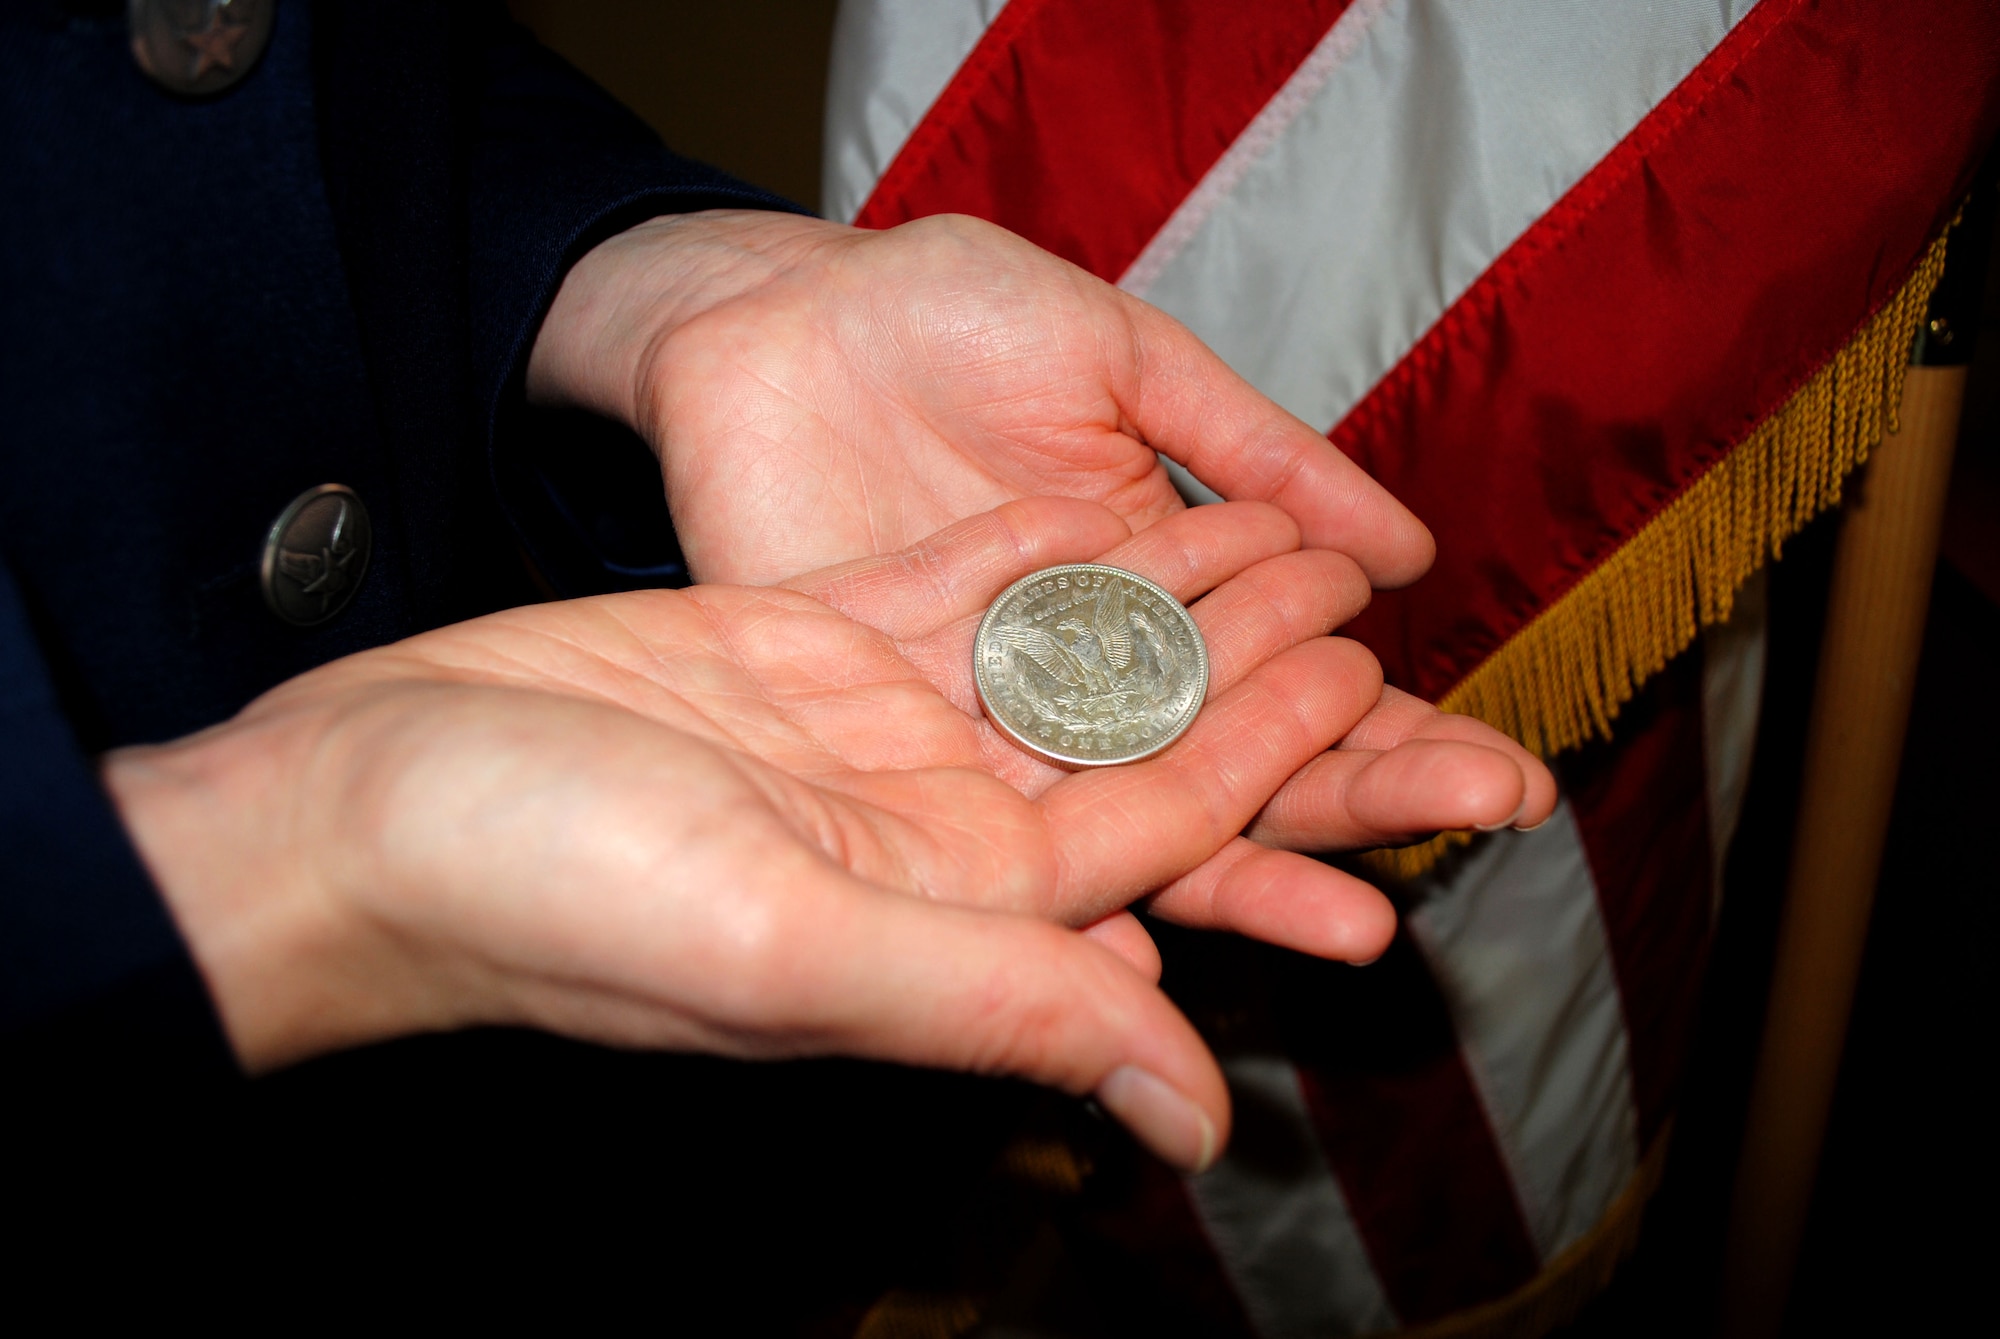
(255, 894)
(631, 292)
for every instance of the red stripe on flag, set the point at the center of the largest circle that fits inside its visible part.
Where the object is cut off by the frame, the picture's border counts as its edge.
(1679, 294)
(1641, 804)
(1405, 1131)
(1083, 126)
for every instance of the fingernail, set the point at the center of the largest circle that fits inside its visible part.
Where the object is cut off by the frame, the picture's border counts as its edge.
(1506, 822)
(1542, 822)
(1160, 1116)
(1363, 962)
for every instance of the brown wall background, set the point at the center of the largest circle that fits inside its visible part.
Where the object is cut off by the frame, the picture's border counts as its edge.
(737, 83)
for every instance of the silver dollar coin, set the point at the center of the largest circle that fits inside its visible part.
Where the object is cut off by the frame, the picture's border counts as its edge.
(1087, 665)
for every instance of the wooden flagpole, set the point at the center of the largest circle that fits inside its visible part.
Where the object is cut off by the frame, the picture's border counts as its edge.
(1876, 609)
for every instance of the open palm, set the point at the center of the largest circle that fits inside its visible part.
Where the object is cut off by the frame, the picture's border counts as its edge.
(845, 701)
(773, 822)
(819, 393)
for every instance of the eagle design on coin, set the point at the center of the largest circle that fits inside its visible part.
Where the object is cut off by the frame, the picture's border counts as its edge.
(1088, 665)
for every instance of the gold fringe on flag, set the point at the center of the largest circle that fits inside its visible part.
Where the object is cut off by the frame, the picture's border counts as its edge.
(901, 1314)
(1563, 678)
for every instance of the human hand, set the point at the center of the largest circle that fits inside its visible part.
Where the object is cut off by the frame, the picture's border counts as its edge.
(768, 822)
(818, 393)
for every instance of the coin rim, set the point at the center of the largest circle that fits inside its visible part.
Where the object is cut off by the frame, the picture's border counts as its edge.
(1066, 760)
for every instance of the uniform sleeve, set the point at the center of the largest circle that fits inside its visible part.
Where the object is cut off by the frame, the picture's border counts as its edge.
(93, 974)
(468, 168)
(558, 166)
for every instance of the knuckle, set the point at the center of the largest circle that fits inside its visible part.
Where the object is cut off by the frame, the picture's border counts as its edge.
(759, 971)
(1032, 1033)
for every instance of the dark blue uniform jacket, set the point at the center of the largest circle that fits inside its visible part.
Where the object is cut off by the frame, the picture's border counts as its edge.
(331, 272)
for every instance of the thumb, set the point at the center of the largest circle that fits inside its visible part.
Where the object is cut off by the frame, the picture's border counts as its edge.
(893, 978)
(1191, 406)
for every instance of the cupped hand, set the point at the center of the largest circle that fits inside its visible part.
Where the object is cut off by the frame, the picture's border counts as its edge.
(768, 822)
(818, 393)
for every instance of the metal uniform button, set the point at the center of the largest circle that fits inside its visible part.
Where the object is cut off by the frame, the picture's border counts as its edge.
(198, 47)
(316, 555)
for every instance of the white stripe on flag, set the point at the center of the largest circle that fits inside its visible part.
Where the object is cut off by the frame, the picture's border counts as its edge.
(1257, 139)
(891, 59)
(1451, 127)
(1518, 946)
(1283, 1231)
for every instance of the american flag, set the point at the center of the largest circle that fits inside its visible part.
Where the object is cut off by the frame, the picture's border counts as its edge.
(1612, 295)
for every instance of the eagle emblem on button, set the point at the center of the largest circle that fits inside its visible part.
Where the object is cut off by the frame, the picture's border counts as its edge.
(198, 47)
(316, 554)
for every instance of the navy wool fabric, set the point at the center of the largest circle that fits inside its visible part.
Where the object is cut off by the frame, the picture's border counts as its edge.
(332, 272)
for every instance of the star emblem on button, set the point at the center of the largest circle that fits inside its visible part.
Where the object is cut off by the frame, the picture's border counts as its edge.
(198, 47)
(315, 555)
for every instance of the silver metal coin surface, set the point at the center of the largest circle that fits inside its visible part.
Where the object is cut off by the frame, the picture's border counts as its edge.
(198, 47)
(1089, 666)
(315, 555)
